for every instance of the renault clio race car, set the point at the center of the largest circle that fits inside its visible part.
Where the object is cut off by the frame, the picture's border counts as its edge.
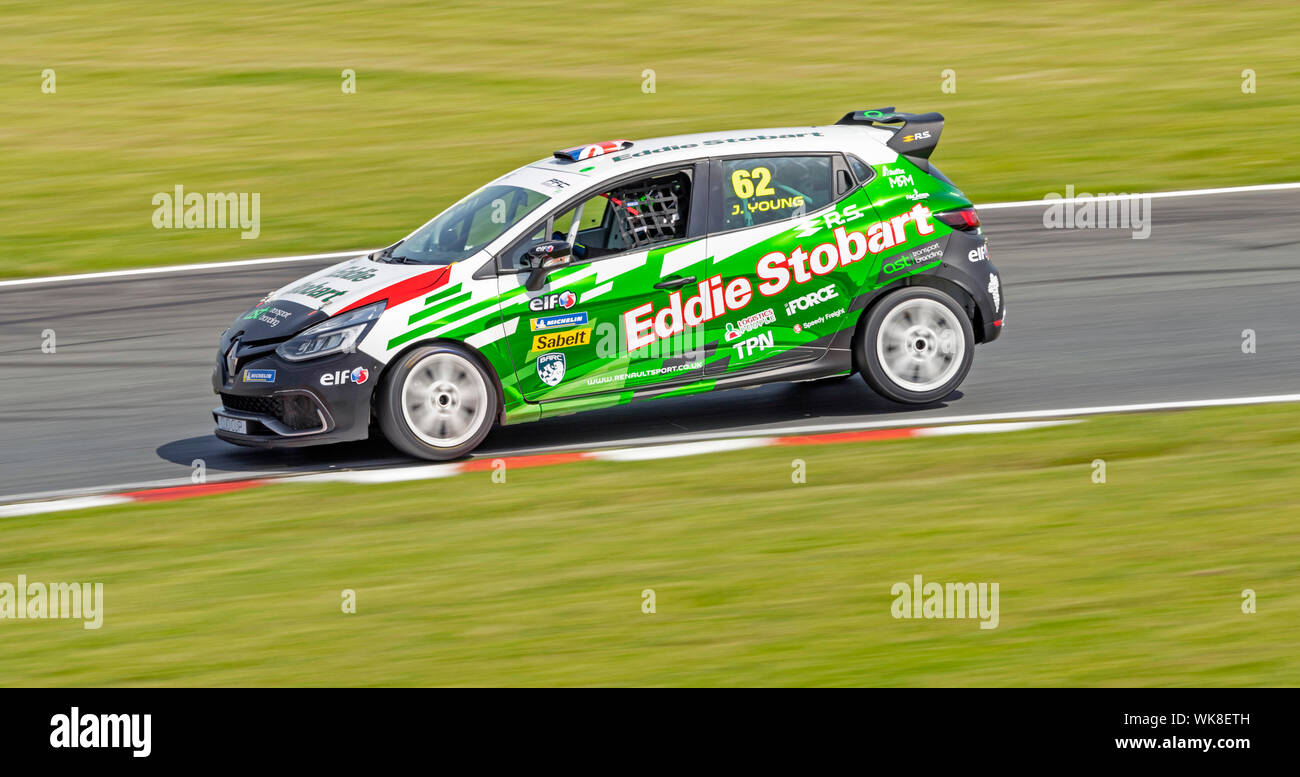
(622, 271)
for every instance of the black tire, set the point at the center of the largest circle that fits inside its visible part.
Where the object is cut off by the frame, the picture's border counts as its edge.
(437, 403)
(925, 350)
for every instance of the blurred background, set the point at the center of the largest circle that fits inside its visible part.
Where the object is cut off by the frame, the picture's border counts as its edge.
(246, 97)
(758, 579)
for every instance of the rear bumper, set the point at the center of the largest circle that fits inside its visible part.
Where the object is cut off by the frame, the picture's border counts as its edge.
(966, 262)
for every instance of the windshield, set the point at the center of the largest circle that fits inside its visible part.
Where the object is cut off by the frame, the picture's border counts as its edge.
(464, 228)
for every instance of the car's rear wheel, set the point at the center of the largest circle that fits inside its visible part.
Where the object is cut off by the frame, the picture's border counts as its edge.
(916, 345)
(437, 403)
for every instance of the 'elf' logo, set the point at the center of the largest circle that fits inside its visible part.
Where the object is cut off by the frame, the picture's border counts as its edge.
(342, 377)
(564, 300)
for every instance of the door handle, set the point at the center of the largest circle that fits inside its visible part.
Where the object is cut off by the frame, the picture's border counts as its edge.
(675, 283)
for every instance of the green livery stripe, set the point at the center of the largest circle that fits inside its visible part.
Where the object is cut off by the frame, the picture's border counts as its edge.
(414, 333)
(444, 291)
(442, 304)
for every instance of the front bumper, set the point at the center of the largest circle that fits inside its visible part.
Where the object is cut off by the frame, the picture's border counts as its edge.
(268, 402)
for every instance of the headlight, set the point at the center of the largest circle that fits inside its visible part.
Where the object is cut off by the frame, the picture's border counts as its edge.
(337, 335)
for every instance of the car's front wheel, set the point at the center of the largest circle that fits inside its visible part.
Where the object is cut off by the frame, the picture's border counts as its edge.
(916, 345)
(437, 403)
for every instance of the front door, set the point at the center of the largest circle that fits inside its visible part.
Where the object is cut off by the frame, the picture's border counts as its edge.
(596, 327)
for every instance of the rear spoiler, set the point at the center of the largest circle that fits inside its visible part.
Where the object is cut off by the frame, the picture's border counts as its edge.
(915, 139)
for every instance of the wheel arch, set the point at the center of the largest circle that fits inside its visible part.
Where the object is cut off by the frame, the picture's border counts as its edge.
(474, 353)
(953, 288)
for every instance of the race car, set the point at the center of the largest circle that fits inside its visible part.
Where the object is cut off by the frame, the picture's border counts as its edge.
(626, 270)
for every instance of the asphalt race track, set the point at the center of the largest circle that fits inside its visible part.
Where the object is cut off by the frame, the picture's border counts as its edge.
(1095, 318)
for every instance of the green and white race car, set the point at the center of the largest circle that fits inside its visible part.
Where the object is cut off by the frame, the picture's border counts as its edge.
(622, 271)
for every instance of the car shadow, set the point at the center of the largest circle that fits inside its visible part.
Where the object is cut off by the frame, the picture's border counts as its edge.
(732, 410)
(223, 457)
(825, 401)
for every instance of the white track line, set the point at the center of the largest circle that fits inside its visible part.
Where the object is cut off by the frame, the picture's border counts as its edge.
(1267, 187)
(636, 449)
(427, 472)
(374, 476)
(681, 449)
(94, 276)
(949, 431)
(59, 505)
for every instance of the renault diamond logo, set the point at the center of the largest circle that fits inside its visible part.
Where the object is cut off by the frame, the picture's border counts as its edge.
(232, 361)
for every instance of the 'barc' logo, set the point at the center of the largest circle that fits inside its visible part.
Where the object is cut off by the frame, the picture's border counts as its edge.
(550, 368)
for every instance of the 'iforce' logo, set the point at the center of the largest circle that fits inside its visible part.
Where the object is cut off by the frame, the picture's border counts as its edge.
(342, 377)
(827, 292)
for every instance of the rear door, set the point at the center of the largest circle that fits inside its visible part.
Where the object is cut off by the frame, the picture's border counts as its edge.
(592, 329)
(761, 209)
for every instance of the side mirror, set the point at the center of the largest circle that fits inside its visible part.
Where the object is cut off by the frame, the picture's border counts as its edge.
(545, 259)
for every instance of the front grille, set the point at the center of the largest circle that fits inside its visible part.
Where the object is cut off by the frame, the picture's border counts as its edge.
(296, 411)
(243, 352)
(272, 406)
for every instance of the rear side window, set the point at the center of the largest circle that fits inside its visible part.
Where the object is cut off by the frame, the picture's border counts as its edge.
(860, 169)
(760, 190)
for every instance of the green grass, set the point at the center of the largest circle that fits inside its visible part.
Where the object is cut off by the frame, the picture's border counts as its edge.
(758, 580)
(245, 97)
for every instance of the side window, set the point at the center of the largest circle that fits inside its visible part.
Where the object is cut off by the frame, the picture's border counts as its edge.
(592, 214)
(860, 169)
(759, 190)
(498, 213)
(631, 215)
(648, 212)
